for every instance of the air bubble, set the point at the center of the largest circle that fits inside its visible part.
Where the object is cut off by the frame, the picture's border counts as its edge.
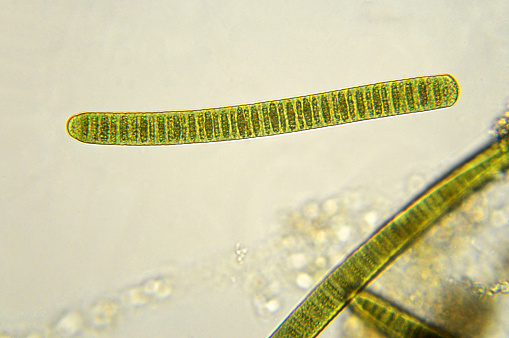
(104, 313)
(474, 209)
(450, 281)
(256, 282)
(298, 261)
(504, 287)
(272, 305)
(498, 218)
(304, 281)
(266, 307)
(320, 237)
(135, 297)
(416, 182)
(371, 218)
(501, 126)
(321, 262)
(464, 282)
(70, 324)
(494, 289)
(150, 286)
(330, 207)
(500, 287)
(288, 242)
(274, 288)
(159, 288)
(478, 290)
(311, 210)
(240, 252)
(343, 233)
(353, 200)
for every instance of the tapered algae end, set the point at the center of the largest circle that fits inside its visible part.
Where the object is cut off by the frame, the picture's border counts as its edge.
(452, 89)
(77, 127)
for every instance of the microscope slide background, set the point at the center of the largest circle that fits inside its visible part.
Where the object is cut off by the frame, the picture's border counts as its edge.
(81, 221)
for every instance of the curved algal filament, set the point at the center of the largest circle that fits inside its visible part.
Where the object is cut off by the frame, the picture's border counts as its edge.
(266, 118)
(372, 257)
(391, 320)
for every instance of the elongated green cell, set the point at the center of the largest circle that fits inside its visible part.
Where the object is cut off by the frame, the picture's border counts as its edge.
(266, 118)
(372, 257)
(391, 320)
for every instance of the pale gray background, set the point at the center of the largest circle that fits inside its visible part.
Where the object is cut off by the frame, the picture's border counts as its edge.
(78, 221)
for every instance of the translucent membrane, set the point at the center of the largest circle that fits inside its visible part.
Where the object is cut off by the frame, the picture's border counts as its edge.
(372, 257)
(266, 118)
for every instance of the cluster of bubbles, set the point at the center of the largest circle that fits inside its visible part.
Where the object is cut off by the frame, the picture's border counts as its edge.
(481, 290)
(311, 241)
(468, 244)
(316, 237)
(433, 279)
(102, 315)
(501, 125)
(275, 273)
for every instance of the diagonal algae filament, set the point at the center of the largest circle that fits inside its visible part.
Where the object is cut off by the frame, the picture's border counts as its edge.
(391, 320)
(371, 258)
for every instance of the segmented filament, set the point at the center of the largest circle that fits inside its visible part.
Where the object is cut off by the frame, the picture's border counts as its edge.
(372, 257)
(391, 320)
(266, 118)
